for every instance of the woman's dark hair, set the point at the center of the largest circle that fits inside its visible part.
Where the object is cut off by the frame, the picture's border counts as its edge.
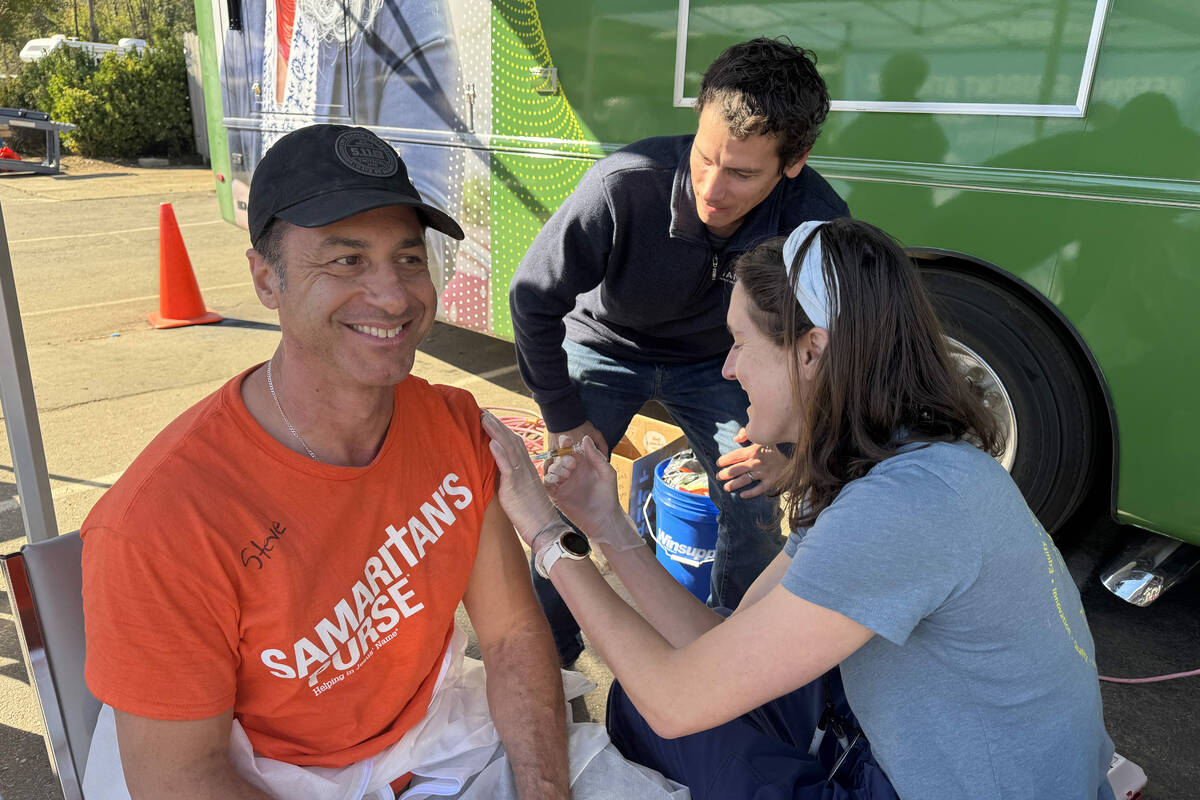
(884, 380)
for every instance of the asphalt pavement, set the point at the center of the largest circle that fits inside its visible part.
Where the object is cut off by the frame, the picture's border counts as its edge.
(84, 249)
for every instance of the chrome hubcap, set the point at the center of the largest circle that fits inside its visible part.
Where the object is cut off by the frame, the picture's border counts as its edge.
(987, 386)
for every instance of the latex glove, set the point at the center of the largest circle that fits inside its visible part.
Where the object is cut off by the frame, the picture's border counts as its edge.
(752, 470)
(521, 493)
(578, 433)
(585, 488)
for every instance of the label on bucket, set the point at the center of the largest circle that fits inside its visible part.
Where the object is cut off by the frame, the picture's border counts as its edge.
(684, 552)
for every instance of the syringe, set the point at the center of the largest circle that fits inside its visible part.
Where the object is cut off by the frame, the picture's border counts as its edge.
(574, 449)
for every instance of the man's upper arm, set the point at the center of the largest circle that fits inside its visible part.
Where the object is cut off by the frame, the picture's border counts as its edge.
(499, 594)
(524, 690)
(163, 758)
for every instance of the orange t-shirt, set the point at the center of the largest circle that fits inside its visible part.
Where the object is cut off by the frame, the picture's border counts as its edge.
(224, 569)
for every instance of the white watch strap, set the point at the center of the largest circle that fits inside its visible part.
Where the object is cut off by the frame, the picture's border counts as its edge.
(548, 556)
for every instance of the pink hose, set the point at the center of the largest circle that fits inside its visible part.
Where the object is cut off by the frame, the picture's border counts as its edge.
(1153, 679)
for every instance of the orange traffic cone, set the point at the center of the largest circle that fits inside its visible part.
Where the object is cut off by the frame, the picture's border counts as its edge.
(179, 301)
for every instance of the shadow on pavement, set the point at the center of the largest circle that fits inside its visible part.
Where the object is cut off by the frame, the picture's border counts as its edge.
(11, 488)
(92, 175)
(25, 768)
(10, 645)
(248, 324)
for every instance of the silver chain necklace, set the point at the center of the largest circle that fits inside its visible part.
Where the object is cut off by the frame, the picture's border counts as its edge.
(283, 416)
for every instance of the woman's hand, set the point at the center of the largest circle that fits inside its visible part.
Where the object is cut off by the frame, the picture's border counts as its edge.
(585, 488)
(742, 467)
(520, 490)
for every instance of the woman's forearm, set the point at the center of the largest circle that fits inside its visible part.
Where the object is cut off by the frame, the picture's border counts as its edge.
(668, 606)
(637, 654)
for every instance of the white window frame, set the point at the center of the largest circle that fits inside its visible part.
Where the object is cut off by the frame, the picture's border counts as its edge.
(1079, 109)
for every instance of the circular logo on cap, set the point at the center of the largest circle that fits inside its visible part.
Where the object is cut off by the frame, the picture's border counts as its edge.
(364, 153)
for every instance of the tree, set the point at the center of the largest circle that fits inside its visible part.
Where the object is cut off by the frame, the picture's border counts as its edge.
(152, 20)
(18, 20)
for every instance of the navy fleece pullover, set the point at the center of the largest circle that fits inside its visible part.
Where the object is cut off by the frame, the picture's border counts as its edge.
(625, 267)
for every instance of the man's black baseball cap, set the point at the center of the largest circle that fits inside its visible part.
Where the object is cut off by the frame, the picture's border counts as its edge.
(324, 173)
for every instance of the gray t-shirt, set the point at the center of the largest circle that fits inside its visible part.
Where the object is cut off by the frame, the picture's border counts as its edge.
(981, 680)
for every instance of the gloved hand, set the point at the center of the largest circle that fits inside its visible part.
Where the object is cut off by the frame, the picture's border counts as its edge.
(521, 493)
(585, 488)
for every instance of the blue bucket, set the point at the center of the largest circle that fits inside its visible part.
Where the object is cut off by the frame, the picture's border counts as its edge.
(686, 534)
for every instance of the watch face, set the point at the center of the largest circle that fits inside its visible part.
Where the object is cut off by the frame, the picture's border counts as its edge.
(575, 543)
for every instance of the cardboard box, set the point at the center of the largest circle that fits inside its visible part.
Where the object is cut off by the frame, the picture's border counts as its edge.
(645, 443)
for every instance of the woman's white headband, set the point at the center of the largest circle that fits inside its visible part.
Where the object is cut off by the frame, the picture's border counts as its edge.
(811, 291)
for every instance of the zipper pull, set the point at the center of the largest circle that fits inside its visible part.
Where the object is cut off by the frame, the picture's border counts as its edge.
(714, 274)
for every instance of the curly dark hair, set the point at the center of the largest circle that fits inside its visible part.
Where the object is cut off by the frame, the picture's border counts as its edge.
(885, 379)
(768, 87)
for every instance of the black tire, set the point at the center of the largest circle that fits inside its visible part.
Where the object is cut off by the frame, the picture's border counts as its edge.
(1055, 460)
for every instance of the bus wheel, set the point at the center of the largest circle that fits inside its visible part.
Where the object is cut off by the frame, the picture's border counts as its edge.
(1029, 376)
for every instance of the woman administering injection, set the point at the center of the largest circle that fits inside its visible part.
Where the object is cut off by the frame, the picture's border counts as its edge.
(914, 565)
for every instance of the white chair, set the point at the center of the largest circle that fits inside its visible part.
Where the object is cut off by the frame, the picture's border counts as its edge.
(45, 588)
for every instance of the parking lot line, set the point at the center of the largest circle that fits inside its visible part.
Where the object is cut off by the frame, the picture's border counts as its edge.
(141, 299)
(110, 233)
(90, 485)
(484, 377)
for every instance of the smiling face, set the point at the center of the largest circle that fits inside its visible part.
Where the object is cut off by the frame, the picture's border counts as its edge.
(762, 368)
(358, 297)
(731, 176)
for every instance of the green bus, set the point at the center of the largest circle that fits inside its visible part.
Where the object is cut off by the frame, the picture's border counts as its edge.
(1040, 160)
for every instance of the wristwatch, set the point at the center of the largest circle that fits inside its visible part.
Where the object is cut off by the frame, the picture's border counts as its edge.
(568, 544)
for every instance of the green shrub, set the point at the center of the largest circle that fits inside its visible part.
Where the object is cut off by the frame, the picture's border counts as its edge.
(38, 86)
(124, 106)
(35, 85)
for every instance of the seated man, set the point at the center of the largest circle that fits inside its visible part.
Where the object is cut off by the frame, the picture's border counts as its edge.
(271, 586)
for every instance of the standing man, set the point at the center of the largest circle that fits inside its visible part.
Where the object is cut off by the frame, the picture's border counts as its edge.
(271, 586)
(622, 297)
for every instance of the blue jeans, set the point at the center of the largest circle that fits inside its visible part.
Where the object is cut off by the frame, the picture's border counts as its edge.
(710, 410)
